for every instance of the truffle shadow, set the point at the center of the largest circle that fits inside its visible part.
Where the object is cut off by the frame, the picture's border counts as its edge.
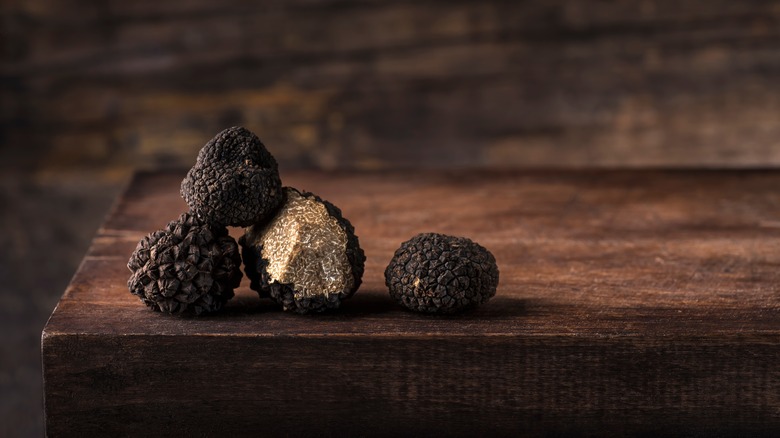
(246, 305)
(498, 308)
(375, 303)
(495, 309)
(366, 303)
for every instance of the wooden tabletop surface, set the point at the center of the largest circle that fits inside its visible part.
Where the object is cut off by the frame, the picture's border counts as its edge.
(630, 302)
(646, 254)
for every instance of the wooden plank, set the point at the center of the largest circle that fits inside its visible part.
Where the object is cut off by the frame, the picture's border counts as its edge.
(629, 301)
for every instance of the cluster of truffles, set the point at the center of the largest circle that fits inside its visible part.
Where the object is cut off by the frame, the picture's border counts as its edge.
(298, 249)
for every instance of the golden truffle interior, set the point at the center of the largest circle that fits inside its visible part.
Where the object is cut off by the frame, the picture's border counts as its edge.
(305, 247)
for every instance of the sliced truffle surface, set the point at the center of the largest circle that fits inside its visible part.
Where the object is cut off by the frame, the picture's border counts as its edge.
(235, 181)
(189, 267)
(306, 258)
(437, 273)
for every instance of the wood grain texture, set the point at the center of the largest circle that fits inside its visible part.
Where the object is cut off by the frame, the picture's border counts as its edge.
(629, 301)
(367, 84)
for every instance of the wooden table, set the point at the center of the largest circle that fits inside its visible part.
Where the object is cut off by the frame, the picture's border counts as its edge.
(628, 301)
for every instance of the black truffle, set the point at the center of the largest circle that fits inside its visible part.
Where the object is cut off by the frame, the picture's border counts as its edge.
(235, 181)
(187, 268)
(436, 273)
(307, 258)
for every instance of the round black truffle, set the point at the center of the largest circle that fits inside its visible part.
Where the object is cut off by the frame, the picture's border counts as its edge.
(307, 258)
(235, 181)
(436, 273)
(189, 267)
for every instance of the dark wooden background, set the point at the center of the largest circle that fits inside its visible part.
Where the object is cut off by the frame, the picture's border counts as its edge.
(90, 90)
(380, 84)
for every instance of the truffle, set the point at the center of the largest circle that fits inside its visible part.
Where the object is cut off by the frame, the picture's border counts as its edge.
(436, 273)
(235, 181)
(307, 258)
(189, 267)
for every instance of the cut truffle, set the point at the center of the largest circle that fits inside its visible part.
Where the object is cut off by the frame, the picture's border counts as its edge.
(307, 258)
(187, 268)
(436, 273)
(235, 181)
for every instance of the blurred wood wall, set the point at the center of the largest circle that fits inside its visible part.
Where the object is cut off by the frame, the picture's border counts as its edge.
(365, 84)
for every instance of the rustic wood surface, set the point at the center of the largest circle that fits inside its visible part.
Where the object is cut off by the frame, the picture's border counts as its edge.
(629, 301)
(366, 84)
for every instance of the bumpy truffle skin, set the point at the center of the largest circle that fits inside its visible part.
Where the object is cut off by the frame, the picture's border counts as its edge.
(235, 181)
(291, 297)
(436, 273)
(187, 268)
